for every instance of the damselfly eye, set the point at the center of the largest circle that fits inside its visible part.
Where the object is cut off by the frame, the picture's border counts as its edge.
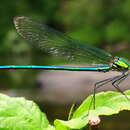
(116, 59)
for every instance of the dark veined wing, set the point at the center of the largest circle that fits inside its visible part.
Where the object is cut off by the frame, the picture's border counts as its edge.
(59, 44)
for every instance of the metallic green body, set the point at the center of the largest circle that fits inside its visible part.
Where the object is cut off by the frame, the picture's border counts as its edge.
(120, 64)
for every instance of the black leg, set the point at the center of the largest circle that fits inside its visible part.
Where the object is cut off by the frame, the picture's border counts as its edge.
(117, 82)
(102, 83)
(98, 85)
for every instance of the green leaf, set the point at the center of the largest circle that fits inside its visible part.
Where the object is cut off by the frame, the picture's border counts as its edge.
(107, 103)
(76, 123)
(21, 114)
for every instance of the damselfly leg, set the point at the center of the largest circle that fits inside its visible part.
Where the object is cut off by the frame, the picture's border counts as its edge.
(115, 83)
(97, 86)
(118, 81)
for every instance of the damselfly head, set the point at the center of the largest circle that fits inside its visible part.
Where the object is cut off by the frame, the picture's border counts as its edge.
(120, 64)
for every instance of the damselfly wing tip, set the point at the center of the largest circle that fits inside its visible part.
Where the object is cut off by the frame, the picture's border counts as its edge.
(18, 21)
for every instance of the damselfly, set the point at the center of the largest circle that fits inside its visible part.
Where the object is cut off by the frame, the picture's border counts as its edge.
(58, 44)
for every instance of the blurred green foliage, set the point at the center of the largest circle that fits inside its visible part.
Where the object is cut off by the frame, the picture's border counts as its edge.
(98, 21)
(94, 21)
